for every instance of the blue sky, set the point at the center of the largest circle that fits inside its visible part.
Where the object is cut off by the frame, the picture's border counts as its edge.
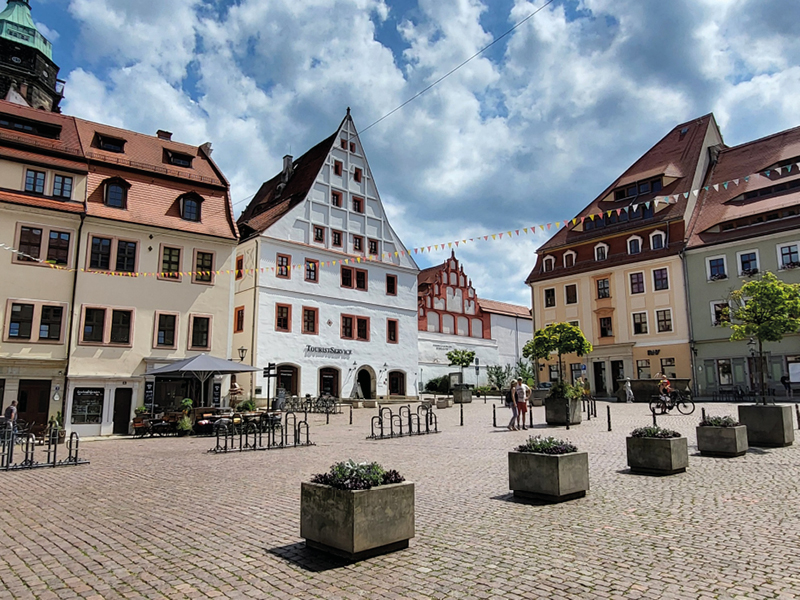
(528, 133)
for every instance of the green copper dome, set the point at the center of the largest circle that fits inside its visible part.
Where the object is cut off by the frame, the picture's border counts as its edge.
(16, 25)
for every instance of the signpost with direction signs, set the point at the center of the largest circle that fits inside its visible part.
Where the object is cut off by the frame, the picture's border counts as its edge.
(270, 371)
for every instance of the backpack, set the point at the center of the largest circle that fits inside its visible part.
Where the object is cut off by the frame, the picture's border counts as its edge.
(510, 397)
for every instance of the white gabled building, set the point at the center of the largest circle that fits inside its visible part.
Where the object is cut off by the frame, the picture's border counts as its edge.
(325, 289)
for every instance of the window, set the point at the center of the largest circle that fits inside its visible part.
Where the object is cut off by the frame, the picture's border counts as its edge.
(660, 279)
(373, 247)
(657, 241)
(606, 329)
(116, 195)
(358, 243)
(357, 175)
(121, 326)
(126, 256)
(639, 323)
(355, 278)
(637, 283)
(571, 294)
(391, 285)
(668, 367)
(178, 159)
(748, 262)
(361, 280)
(362, 329)
(100, 257)
(30, 243)
(549, 263)
(391, 331)
(344, 144)
(94, 320)
(283, 266)
(283, 317)
(336, 198)
(310, 318)
(312, 270)
(347, 327)
(32, 127)
(239, 267)
(717, 269)
(789, 257)
(550, 297)
(352, 146)
(87, 406)
(553, 372)
(319, 234)
(170, 263)
(664, 320)
(336, 239)
(644, 187)
(34, 181)
(166, 325)
(109, 144)
(337, 168)
(358, 204)
(238, 319)
(203, 267)
(720, 313)
(724, 371)
(634, 245)
(200, 335)
(569, 259)
(603, 289)
(50, 323)
(20, 322)
(190, 208)
(347, 277)
(643, 369)
(62, 186)
(58, 248)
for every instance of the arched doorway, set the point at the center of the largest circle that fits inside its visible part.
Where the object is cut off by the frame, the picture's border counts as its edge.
(397, 383)
(288, 379)
(364, 382)
(329, 381)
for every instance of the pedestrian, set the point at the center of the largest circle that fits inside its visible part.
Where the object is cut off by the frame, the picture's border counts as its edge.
(10, 414)
(787, 385)
(523, 392)
(511, 402)
(629, 397)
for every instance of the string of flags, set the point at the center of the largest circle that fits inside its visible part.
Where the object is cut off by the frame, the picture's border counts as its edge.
(510, 234)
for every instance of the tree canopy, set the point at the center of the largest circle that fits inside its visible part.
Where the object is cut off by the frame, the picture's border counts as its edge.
(559, 338)
(461, 358)
(765, 309)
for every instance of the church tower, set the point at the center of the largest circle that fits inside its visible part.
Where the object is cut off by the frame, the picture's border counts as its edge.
(28, 74)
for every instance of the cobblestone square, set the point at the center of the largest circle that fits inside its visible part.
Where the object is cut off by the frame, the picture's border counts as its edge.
(161, 518)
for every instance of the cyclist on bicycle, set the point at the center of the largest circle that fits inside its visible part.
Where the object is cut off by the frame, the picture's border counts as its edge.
(664, 386)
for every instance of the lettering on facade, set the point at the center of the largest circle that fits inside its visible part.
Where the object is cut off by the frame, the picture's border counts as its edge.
(318, 350)
(442, 347)
(653, 352)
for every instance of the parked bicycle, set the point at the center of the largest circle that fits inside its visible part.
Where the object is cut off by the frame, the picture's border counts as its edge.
(676, 399)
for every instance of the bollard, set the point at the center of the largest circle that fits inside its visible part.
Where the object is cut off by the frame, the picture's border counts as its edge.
(608, 412)
(594, 404)
(589, 409)
(494, 415)
(351, 414)
(530, 413)
(797, 411)
(567, 407)
(703, 413)
(327, 417)
(655, 423)
(462, 413)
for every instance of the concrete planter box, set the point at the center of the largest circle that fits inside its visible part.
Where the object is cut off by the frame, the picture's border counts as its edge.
(462, 396)
(658, 456)
(722, 441)
(444, 403)
(548, 477)
(370, 404)
(357, 524)
(555, 411)
(767, 425)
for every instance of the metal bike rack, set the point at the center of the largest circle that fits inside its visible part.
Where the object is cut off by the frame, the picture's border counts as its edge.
(251, 435)
(9, 439)
(423, 422)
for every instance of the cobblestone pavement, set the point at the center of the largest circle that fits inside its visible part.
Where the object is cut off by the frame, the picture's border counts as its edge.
(160, 518)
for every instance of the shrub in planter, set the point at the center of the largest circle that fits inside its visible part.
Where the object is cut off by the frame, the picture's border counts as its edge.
(771, 426)
(556, 403)
(657, 451)
(549, 469)
(721, 436)
(184, 426)
(357, 510)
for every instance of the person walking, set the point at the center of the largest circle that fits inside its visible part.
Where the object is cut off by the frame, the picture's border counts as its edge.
(523, 392)
(10, 414)
(629, 397)
(787, 385)
(511, 402)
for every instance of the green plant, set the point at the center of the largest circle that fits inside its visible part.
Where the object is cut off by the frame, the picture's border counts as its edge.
(719, 422)
(351, 475)
(186, 405)
(498, 376)
(524, 369)
(438, 385)
(654, 432)
(60, 419)
(246, 405)
(547, 445)
(140, 410)
(562, 389)
(561, 338)
(184, 424)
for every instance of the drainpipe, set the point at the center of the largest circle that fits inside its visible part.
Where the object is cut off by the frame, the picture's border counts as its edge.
(255, 321)
(695, 388)
(64, 400)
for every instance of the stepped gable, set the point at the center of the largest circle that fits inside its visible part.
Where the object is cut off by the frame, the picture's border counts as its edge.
(775, 196)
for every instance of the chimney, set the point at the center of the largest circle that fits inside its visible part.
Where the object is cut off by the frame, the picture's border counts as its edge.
(164, 135)
(207, 149)
(287, 168)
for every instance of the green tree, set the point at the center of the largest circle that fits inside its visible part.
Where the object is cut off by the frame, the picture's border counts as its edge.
(561, 338)
(765, 309)
(499, 376)
(524, 369)
(461, 358)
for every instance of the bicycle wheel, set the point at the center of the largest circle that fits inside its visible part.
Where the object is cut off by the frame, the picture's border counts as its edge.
(656, 406)
(684, 405)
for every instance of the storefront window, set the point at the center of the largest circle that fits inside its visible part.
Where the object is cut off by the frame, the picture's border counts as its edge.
(643, 369)
(87, 406)
(724, 371)
(668, 367)
(553, 372)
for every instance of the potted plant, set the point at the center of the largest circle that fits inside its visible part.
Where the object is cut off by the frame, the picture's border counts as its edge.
(764, 309)
(357, 510)
(184, 426)
(461, 358)
(657, 451)
(140, 410)
(721, 436)
(549, 469)
(561, 338)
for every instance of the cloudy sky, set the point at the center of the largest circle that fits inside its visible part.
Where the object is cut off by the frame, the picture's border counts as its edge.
(528, 133)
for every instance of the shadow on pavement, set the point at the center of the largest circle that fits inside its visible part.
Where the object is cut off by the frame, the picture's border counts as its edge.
(509, 497)
(308, 559)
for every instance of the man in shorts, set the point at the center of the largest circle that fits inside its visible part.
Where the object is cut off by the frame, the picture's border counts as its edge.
(523, 393)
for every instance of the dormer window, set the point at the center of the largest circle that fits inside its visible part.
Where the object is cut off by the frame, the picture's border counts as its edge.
(108, 143)
(190, 207)
(549, 263)
(601, 251)
(657, 240)
(634, 245)
(640, 188)
(115, 193)
(178, 159)
(569, 259)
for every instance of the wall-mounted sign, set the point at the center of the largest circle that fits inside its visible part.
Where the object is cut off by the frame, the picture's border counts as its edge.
(653, 352)
(318, 350)
(442, 347)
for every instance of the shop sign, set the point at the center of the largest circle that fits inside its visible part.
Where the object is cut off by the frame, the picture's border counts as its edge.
(149, 393)
(319, 350)
(216, 394)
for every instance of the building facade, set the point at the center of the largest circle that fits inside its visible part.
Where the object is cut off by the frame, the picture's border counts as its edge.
(615, 270)
(325, 289)
(453, 317)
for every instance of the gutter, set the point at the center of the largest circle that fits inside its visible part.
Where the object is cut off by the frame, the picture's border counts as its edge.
(71, 321)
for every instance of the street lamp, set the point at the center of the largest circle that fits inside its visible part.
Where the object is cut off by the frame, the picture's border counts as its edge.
(751, 347)
(242, 353)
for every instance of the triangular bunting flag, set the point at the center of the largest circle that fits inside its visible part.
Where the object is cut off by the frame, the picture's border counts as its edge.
(456, 244)
(747, 179)
(548, 226)
(778, 170)
(494, 237)
(766, 173)
(685, 195)
(647, 204)
(725, 185)
(509, 233)
(716, 187)
(695, 192)
(525, 229)
(542, 227)
(501, 236)
(486, 238)
(655, 201)
(517, 230)
(735, 182)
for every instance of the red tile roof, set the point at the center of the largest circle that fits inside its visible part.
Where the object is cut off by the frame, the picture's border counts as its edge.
(502, 308)
(40, 202)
